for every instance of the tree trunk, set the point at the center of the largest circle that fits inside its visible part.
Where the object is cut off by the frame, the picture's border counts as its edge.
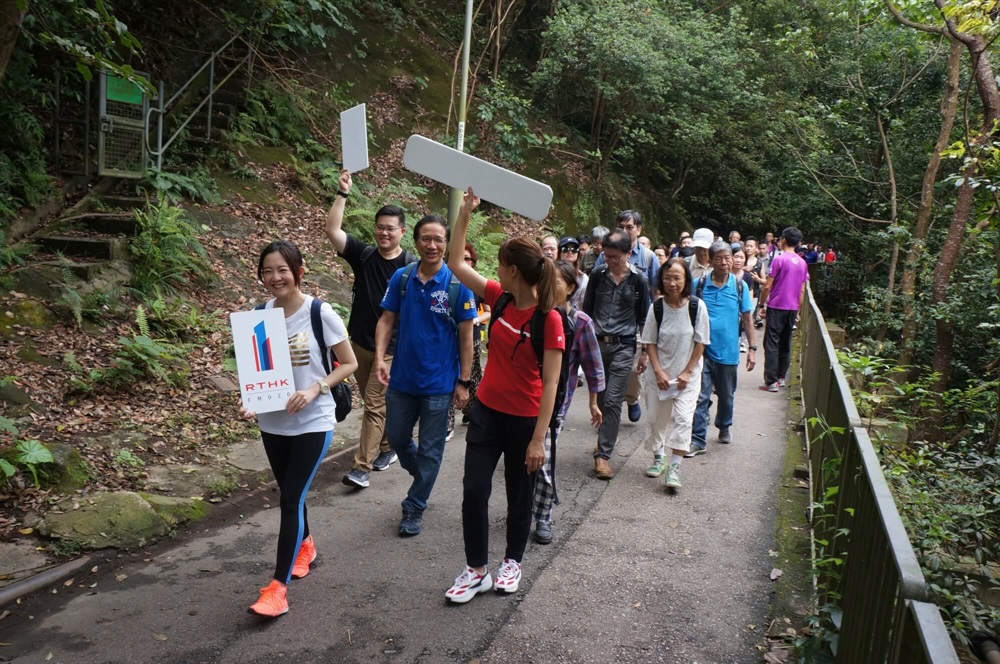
(894, 218)
(989, 95)
(10, 27)
(908, 281)
(947, 260)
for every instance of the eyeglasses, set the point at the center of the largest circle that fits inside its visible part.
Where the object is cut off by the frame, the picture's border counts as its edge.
(379, 228)
(570, 250)
(613, 258)
(432, 239)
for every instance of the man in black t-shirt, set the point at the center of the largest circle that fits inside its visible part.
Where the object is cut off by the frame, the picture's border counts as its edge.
(372, 265)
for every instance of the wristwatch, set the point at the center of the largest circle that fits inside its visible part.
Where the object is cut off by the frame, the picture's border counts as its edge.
(464, 383)
(752, 347)
(323, 387)
(342, 193)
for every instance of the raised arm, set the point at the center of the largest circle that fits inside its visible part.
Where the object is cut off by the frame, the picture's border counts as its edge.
(335, 217)
(456, 253)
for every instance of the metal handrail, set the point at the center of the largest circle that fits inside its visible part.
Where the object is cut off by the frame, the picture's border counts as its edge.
(880, 587)
(212, 89)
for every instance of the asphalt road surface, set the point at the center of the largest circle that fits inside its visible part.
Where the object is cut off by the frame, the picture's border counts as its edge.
(633, 574)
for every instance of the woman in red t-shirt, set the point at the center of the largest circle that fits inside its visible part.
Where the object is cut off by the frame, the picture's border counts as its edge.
(515, 403)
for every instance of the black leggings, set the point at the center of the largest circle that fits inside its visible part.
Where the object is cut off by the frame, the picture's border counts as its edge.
(294, 461)
(492, 433)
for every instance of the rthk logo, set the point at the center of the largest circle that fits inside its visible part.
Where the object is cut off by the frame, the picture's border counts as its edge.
(262, 348)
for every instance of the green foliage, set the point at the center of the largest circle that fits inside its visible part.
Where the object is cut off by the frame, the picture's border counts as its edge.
(91, 35)
(11, 255)
(949, 500)
(504, 116)
(819, 642)
(881, 390)
(126, 458)
(289, 25)
(947, 493)
(166, 254)
(24, 455)
(198, 186)
(140, 358)
(176, 319)
(24, 98)
(287, 113)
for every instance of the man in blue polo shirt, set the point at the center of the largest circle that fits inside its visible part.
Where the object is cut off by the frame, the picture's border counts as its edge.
(433, 361)
(728, 302)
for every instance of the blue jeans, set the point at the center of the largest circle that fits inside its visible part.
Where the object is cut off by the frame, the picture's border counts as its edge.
(723, 377)
(422, 461)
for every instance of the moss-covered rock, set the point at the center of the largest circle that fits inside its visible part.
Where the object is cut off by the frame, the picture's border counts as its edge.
(120, 520)
(68, 471)
(26, 313)
(177, 510)
(29, 353)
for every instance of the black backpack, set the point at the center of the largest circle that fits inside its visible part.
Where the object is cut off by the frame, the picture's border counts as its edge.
(341, 392)
(692, 312)
(537, 330)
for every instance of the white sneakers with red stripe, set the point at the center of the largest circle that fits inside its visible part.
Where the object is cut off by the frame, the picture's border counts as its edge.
(508, 576)
(468, 584)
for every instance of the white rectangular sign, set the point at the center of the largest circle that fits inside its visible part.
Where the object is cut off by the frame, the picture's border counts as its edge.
(354, 138)
(492, 183)
(265, 366)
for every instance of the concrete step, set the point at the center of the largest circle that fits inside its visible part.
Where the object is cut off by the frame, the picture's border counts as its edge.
(108, 223)
(93, 247)
(228, 97)
(196, 130)
(127, 202)
(81, 269)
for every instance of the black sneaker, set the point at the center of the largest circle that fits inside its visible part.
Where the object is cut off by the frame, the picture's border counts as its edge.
(384, 460)
(634, 412)
(411, 523)
(356, 478)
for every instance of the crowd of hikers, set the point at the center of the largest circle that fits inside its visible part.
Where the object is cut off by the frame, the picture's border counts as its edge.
(656, 328)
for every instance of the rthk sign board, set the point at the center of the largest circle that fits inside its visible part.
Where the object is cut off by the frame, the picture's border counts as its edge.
(262, 359)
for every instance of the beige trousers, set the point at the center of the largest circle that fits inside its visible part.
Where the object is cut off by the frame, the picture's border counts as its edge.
(372, 439)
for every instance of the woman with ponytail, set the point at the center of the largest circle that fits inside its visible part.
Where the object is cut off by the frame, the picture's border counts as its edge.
(515, 402)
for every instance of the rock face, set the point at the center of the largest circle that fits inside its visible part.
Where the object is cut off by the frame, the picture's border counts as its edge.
(177, 510)
(123, 520)
(67, 472)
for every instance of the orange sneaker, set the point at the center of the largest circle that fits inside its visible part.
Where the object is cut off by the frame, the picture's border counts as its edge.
(307, 554)
(273, 600)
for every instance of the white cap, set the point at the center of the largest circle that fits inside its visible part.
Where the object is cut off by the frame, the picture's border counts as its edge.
(702, 238)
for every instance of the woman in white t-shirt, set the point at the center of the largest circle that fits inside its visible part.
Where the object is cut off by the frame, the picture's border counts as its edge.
(296, 439)
(675, 349)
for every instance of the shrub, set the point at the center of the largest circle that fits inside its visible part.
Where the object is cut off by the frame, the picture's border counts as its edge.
(166, 253)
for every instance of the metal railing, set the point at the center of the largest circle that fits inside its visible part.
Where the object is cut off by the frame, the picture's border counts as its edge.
(164, 107)
(879, 587)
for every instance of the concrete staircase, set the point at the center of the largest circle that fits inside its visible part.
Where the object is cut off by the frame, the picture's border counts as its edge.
(88, 240)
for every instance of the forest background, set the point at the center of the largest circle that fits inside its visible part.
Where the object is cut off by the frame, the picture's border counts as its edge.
(869, 125)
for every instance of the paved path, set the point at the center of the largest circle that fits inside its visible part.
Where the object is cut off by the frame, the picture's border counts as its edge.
(634, 575)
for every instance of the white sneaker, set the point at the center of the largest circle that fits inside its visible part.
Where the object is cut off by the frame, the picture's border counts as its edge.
(468, 584)
(451, 434)
(508, 576)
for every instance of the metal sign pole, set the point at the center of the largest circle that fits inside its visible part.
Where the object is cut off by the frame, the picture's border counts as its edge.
(455, 201)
